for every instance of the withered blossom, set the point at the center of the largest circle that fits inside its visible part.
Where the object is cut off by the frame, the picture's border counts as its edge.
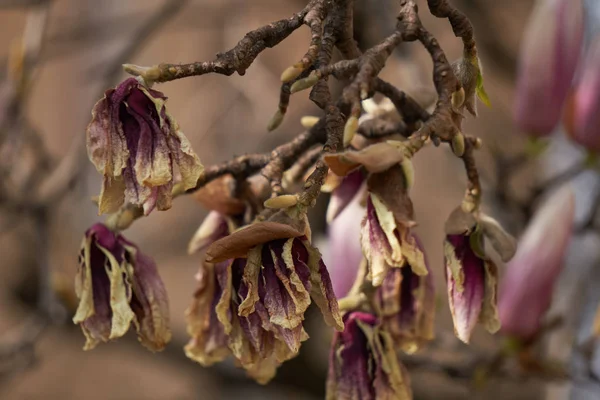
(267, 275)
(385, 234)
(363, 364)
(385, 237)
(135, 143)
(472, 277)
(116, 285)
(405, 303)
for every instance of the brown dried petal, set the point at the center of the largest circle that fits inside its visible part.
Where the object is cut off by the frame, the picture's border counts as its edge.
(390, 187)
(218, 196)
(459, 222)
(241, 241)
(502, 242)
(375, 158)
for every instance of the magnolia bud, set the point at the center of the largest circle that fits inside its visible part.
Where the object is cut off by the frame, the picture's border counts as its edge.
(547, 63)
(350, 130)
(526, 290)
(582, 113)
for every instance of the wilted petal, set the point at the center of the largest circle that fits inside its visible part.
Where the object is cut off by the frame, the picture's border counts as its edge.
(104, 293)
(375, 158)
(528, 284)
(214, 227)
(209, 341)
(547, 63)
(241, 241)
(134, 143)
(465, 273)
(503, 243)
(149, 301)
(321, 290)
(363, 363)
(406, 303)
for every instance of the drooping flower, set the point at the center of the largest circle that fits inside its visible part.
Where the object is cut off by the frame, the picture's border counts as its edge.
(583, 109)
(527, 287)
(385, 237)
(405, 303)
(471, 275)
(363, 363)
(116, 285)
(273, 274)
(547, 63)
(134, 143)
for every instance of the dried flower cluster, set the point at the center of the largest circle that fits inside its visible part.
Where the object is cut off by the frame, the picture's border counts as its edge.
(260, 270)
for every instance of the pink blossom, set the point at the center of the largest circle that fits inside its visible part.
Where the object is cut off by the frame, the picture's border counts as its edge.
(526, 290)
(547, 63)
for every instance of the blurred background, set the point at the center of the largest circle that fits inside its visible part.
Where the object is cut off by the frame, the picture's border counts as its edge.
(75, 53)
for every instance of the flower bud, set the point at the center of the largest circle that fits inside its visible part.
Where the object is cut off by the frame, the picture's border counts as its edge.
(526, 289)
(547, 63)
(582, 113)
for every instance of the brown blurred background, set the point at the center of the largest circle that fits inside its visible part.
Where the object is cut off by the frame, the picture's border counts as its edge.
(84, 44)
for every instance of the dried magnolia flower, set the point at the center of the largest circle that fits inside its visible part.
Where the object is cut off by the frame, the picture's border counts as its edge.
(405, 303)
(547, 63)
(275, 274)
(527, 287)
(385, 236)
(363, 363)
(209, 342)
(471, 276)
(582, 112)
(116, 284)
(134, 143)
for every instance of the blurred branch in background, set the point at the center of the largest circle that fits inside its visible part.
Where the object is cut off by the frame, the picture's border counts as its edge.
(33, 191)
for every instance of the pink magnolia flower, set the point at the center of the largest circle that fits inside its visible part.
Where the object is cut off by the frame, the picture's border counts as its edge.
(526, 290)
(583, 111)
(547, 63)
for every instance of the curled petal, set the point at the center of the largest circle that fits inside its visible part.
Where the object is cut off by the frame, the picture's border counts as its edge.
(149, 301)
(214, 227)
(465, 274)
(240, 242)
(375, 158)
(209, 342)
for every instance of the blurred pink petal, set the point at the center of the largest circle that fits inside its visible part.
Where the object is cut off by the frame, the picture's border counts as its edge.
(583, 114)
(345, 253)
(526, 290)
(547, 63)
